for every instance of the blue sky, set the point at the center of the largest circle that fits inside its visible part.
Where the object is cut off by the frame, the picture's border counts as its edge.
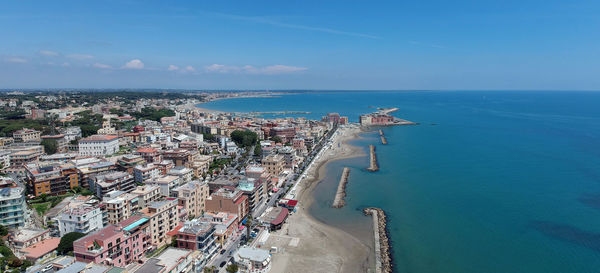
(425, 44)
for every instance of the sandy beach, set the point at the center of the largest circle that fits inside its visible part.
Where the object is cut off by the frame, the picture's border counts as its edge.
(307, 245)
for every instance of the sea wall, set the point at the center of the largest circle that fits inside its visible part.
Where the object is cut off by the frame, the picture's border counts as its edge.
(338, 201)
(383, 260)
(373, 167)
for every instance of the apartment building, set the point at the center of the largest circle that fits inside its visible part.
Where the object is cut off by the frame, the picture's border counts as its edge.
(192, 197)
(163, 217)
(274, 164)
(185, 174)
(198, 235)
(12, 207)
(120, 205)
(143, 173)
(27, 135)
(105, 183)
(147, 194)
(82, 219)
(52, 178)
(228, 199)
(150, 155)
(115, 245)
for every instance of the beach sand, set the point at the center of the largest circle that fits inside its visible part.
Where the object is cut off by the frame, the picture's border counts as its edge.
(307, 245)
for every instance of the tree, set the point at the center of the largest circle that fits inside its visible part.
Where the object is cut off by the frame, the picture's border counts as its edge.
(277, 139)
(209, 137)
(210, 269)
(66, 242)
(3, 230)
(248, 225)
(49, 146)
(257, 150)
(244, 138)
(232, 268)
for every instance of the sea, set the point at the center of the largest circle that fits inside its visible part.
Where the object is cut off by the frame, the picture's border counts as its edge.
(489, 181)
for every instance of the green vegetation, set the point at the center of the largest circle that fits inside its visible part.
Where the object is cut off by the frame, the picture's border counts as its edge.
(66, 242)
(153, 114)
(257, 150)
(277, 139)
(209, 137)
(82, 191)
(50, 146)
(42, 208)
(218, 164)
(232, 268)
(88, 122)
(244, 138)
(9, 259)
(8, 126)
(3, 230)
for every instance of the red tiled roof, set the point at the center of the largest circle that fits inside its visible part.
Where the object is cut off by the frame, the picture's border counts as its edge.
(146, 150)
(42, 248)
(175, 230)
(100, 138)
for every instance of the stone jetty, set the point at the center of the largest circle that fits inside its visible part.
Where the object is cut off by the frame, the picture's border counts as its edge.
(383, 258)
(373, 167)
(383, 139)
(339, 202)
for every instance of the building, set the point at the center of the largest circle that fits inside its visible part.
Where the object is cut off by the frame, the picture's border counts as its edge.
(120, 206)
(185, 174)
(192, 197)
(163, 217)
(198, 235)
(27, 135)
(60, 140)
(51, 179)
(12, 207)
(22, 158)
(105, 183)
(172, 260)
(147, 194)
(255, 190)
(226, 224)
(128, 162)
(285, 133)
(150, 155)
(229, 200)
(26, 237)
(143, 173)
(274, 164)
(82, 219)
(99, 145)
(180, 157)
(71, 133)
(275, 217)
(116, 245)
(42, 250)
(252, 260)
(167, 184)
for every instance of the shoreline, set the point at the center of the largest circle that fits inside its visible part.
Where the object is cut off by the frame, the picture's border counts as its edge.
(321, 247)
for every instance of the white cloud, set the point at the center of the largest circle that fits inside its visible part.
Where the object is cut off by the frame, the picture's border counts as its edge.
(173, 67)
(280, 69)
(65, 64)
(48, 53)
(102, 66)
(267, 70)
(16, 60)
(134, 64)
(80, 57)
(190, 68)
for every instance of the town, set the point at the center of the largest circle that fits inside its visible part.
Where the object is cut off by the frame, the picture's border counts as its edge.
(146, 182)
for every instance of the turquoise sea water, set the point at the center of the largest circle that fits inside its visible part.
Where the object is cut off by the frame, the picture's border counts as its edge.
(504, 182)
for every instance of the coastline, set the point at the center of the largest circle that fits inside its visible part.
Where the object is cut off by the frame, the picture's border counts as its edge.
(320, 247)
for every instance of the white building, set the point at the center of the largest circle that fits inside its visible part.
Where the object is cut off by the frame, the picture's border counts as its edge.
(82, 219)
(252, 260)
(5, 158)
(142, 173)
(12, 207)
(71, 133)
(185, 174)
(98, 145)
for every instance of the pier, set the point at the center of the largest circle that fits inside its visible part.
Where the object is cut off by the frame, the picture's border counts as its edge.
(373, 167)
(383, 259)
(339, 202)
(383, 139)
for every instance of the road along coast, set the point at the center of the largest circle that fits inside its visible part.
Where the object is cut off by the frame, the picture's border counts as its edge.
(308, 245)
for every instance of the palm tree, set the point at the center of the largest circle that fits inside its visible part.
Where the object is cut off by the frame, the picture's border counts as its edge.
(248, 225)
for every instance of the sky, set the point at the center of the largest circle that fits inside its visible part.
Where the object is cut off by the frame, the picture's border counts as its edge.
(342, 45)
